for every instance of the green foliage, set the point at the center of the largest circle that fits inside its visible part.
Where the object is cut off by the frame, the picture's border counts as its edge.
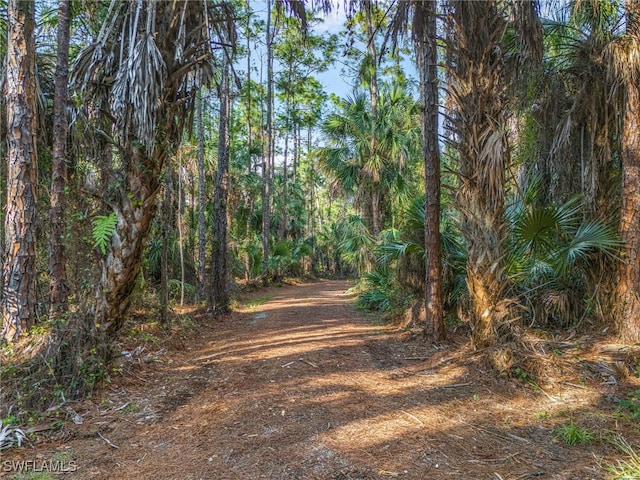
(258, 301)
(32, 476)
(632, 403)
(357, 244)
(175, 287)
(286, 257)
(521, 375)
(571, 434)
(628, 469)
(378, 293)
(104, 226)
(551, 250)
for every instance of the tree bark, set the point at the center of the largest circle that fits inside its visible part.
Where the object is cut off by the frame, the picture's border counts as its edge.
(629, 283)
(135, 209)
(266, 154)
(376, 217)
(202, 192)
(179, 223)
(479, 86)
(167, 211)
(58, 296)
(424, 30)
(18, 305)
(220, 273)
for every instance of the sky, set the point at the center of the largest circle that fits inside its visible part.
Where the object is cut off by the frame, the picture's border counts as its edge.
(334, 80)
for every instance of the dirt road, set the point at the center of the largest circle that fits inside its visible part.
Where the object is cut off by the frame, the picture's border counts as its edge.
(302, 386)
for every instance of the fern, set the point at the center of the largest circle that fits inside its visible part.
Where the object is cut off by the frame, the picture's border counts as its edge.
(104, 226)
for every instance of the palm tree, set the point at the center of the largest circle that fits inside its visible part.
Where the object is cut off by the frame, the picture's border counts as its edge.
(372, 174)
(595, 52)
(480, 83)
(579, 103)
(138, 82)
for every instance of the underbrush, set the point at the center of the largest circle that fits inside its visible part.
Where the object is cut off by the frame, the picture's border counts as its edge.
(40, 382)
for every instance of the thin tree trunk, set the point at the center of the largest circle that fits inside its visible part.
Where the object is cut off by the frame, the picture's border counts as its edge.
(376, 218)
(164, 254)
(249, 132)
(629, 284)
(18, 305)
(58, 296)
(220, 274)
(202, 186)
(266, 154)
(371, 47)
(180, 227)
(424, 30)
(296, 153)
(282, 230)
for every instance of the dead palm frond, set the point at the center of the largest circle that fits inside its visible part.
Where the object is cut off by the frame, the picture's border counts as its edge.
(138, 89)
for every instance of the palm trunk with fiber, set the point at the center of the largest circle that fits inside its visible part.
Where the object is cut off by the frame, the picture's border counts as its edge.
(479, 122)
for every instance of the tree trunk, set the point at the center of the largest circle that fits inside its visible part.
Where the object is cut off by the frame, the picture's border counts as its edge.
(249, 130)
(629, 284)
(135, 210)
(424, 30)
(58, 296)
(220, 274)
(167, 211)
(282, 228)
(480, 99)
(18, 304)
(179, 223)
(266, 154)
(374, 206)
(202, 192)
(296, 152)
(376, 218)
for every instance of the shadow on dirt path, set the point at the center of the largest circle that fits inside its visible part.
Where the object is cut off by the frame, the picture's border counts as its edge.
(304, 386)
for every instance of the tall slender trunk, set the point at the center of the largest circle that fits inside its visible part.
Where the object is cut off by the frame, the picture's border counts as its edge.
(629, 283)
(167, 218)
(179, 221)
(424, 30)
(220, 273)
(249, 132)
(296, 152)
(282, 228)
(58, 296)
(18, 304)
(202, 192)
(372, 51)
(266, 154)
(376, 218)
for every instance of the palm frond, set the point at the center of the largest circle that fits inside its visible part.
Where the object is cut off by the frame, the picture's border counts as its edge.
(138, 90)
(591, 237)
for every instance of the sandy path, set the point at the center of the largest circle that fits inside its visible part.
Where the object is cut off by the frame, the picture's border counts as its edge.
(304, 387)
